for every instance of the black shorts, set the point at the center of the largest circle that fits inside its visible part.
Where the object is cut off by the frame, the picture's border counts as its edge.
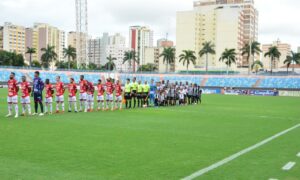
(38, 97)
(134, 93)
(139, 95)
(127, 95)
(145, 95)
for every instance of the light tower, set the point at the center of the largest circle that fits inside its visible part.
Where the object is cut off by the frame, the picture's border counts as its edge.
(82, 32)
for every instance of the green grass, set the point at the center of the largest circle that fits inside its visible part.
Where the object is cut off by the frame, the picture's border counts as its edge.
(164, 143)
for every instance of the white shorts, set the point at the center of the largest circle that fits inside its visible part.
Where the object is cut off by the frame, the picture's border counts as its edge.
(49, 100)
(13, 99)
(90, 97)
(83, 96)
(25, 100)
(109, 97)
(60, 98)
(72, 99)
(100, 98)
(118, 98)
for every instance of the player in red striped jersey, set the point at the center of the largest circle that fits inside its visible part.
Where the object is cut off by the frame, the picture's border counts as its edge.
(109, 94)
(60, 90)
(25, 99)
(72, 87)
(49, 97)
(83, 95)
(100, 97)
(90, 96)
(12, 98)
(118, 92)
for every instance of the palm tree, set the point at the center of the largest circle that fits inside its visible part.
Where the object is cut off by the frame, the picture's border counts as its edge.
(70, 53)
(294, 58)
(208, 48)
(229, 56)
(110, 65)
(256, 66)
(187, 57)
(48, 56)
(130, 56)
(255, 49)
(30, 51)
(168, 56)
(274, 54)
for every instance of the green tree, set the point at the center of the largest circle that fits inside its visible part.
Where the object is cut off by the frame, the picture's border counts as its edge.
(256, 66)
(48, 56)
(70, 53)
(11, 59)
(149, 67)
(130, 57)
(92, 66)
(30, 51)
(274, 54)
(208, 48)
(110, 65)
(255, 49)
(294, 59)
(168, 55)
(228, 57)
(36, 64)
(187, 57)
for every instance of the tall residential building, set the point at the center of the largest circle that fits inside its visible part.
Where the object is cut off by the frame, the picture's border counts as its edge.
(226, 23)
(285, 50)
(140, 37)
(1, 38)
(72, 39)
(94, 49)
(117, 48)
(152, 57)
(42, 35)
(103, 47)
(14, 38)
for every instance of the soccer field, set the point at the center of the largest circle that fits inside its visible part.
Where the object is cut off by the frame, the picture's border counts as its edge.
(163, 143)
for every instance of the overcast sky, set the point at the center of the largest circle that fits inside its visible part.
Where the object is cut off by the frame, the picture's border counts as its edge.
(277, 18)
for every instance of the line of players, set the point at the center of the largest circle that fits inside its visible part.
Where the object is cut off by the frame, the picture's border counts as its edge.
(161, 93)
(142, 95)
(86, 95)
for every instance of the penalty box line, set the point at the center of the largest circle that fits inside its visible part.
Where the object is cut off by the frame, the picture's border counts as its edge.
(236, 155)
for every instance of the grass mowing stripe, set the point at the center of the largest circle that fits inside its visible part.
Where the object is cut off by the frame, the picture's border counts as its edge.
(234, 156)
(288, 166)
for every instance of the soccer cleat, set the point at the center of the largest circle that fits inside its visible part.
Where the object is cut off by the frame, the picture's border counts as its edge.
(17, 115)
(9, 115)
(57, 112)
(34, 114)
(76, 111)
(69, 111)
(23, 114)
(41, 114)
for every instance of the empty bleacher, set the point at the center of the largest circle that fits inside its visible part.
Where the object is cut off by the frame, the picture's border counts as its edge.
(286, 83)
(231, 82)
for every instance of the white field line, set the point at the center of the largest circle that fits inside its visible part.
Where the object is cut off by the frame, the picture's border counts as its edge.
(273, 179)
(238, 154)
(288, 166)
(298, 155)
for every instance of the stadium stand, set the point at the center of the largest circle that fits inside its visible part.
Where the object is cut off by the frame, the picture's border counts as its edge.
(286, 83)
(4, 75)
(52, 76)
(231, 82)
(207, 81)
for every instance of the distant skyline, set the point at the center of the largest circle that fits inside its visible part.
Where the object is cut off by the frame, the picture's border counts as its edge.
(277, 18)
